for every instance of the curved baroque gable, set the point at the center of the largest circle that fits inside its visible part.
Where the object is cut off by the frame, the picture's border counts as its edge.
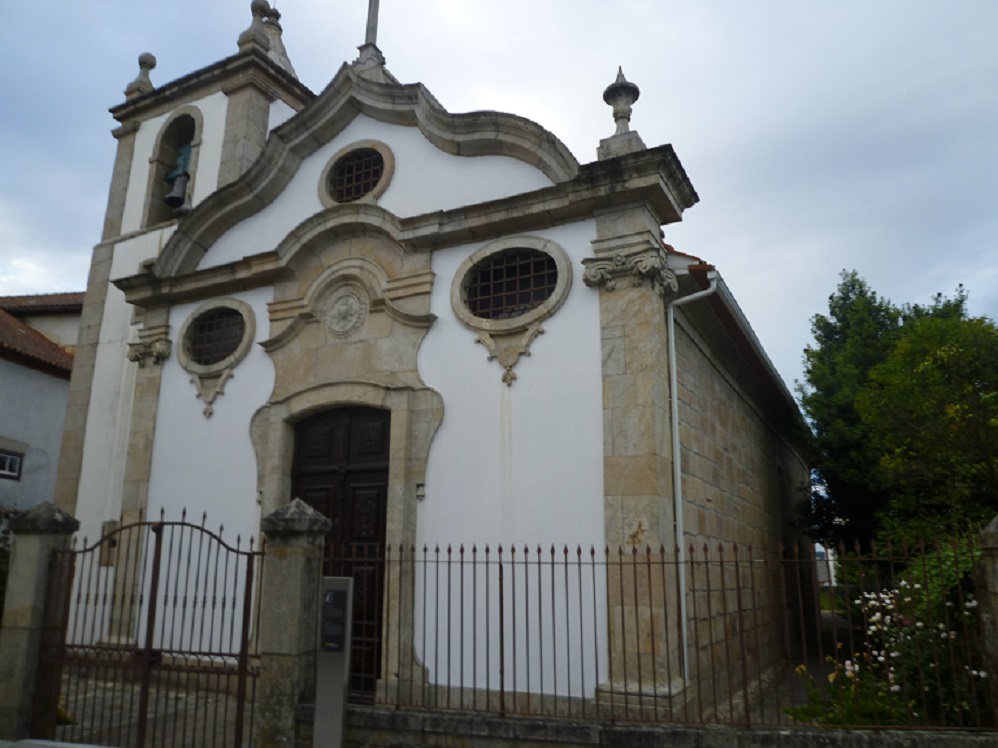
(346, 96)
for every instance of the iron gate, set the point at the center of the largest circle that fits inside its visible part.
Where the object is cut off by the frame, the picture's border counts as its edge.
(149, 639)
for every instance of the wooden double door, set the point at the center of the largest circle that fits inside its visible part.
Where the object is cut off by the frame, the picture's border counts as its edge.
(341, 470)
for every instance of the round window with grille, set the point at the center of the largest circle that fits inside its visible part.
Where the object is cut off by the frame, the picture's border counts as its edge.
(356, 174)
(510, 283)
(216, 337)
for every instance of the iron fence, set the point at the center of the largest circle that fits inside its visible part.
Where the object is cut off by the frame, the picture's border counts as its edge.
(713, 633)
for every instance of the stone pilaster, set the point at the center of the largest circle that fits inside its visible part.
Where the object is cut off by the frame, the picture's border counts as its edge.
(631, 273)
(288, 620)
(125, 136)
(153, 348)
(247, 120)
(23, 708)
(81, 379)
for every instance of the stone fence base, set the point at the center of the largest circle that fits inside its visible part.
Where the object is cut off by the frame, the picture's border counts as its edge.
(402, 728)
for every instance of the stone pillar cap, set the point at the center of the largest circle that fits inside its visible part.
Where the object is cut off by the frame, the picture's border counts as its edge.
(45, 519)
(989, 535)
(295, 518)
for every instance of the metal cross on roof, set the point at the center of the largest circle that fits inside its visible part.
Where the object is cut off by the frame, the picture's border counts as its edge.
(372, 22)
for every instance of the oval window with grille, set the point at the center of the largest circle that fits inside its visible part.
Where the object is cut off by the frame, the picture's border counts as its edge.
(510, 283)
(214, 335)
(217, 336)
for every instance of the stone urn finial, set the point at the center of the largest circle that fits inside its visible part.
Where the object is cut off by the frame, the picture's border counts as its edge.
(620, 95)
(142, 83)
(256, 35)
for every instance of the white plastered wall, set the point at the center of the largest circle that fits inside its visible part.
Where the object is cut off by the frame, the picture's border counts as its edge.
(105, 445)
(426, 179)
(279, 114)
(208, 464)
(209, 159)
(519, 465)
(32, 411)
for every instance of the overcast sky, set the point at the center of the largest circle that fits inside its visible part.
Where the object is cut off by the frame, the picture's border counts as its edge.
(820, 136)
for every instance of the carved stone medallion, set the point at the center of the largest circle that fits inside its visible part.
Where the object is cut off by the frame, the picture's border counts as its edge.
(347, 312)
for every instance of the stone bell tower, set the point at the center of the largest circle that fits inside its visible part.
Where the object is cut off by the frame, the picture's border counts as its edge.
(178, 143)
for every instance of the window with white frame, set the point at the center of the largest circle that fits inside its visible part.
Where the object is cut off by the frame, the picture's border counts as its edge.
(10, 464)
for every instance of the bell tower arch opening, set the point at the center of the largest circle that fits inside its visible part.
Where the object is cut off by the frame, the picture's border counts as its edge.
(171, 169)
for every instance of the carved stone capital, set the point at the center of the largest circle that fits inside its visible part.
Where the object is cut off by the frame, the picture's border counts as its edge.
(651, 266)
(154, 345)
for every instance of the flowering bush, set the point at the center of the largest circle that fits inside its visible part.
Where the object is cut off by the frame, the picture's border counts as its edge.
(916, 660)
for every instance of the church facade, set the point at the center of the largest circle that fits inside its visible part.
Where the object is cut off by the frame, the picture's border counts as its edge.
(434, 328)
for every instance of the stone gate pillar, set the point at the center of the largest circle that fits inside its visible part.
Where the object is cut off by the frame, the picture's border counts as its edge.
(37, 533)
(289, 600)
(987, 586)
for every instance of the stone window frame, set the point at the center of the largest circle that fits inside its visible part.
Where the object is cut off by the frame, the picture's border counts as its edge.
(549, 306)
(237, 355)
(6, 471)
(371, 197)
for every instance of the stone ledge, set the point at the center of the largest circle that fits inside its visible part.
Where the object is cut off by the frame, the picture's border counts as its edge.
(399, 728)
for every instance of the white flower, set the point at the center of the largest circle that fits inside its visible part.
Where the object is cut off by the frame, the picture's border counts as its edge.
(895, 688)
(970, 604)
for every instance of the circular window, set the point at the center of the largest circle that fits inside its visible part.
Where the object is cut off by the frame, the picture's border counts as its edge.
(359, 172)
(511, 283)
(356, 174)
(216, 337)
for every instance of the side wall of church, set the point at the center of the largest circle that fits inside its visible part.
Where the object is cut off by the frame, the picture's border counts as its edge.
(740, 477)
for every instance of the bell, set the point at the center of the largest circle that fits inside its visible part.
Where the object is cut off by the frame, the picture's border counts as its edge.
(178, 193)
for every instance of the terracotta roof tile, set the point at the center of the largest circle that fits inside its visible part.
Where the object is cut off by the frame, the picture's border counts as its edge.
(24, 344)
(43, 303)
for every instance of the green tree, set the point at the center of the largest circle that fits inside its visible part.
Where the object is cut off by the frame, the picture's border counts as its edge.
(932, 409)
(858, 333)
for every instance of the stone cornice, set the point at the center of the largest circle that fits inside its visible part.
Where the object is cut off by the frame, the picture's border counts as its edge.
(651, 178)
(147, 290)
(252, 67)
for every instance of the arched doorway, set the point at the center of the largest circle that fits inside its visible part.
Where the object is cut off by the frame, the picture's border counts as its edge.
(341, 469)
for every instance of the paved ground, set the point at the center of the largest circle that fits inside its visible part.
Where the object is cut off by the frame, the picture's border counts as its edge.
(181, 713)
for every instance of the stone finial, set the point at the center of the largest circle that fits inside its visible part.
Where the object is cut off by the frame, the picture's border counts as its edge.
(142, 84)
(256, 35)
(620, 95)
(277, 52)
